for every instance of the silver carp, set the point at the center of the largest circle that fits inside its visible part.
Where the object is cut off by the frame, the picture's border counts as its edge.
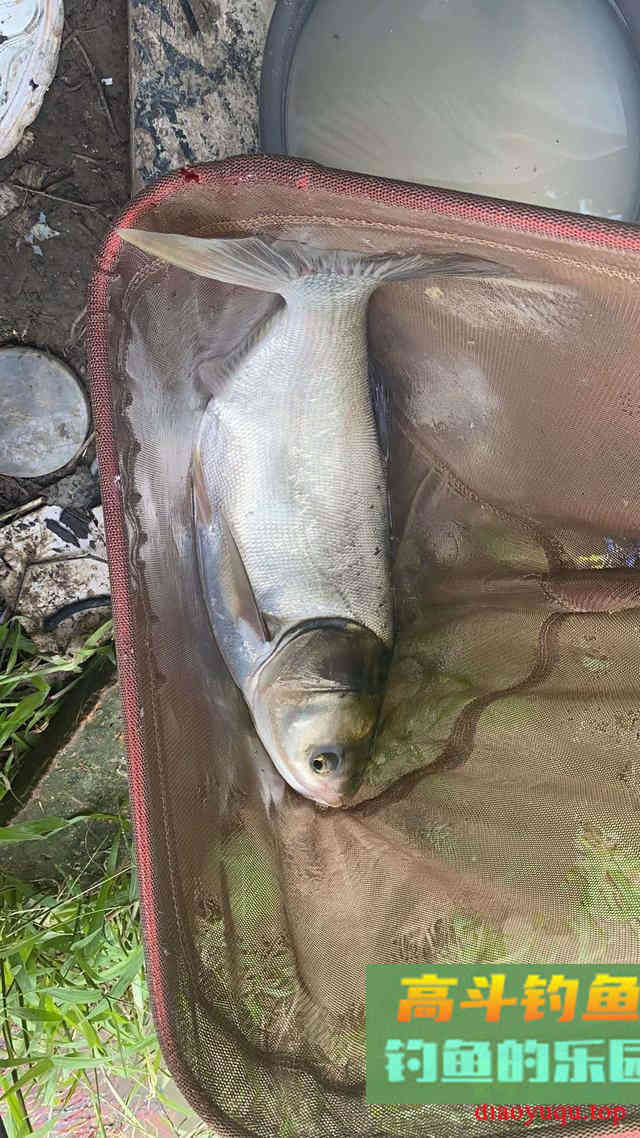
(290, 501)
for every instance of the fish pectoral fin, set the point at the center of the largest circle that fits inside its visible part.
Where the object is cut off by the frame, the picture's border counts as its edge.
(248, 609)
(201, 503)
(234, 613)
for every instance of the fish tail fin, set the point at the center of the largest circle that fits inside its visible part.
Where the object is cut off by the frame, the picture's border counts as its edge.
(415, 266)
(249, 261)
(270, 265)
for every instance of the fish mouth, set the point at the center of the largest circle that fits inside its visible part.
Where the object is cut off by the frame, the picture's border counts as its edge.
(333, 804)
(320, 795)
(332, 800)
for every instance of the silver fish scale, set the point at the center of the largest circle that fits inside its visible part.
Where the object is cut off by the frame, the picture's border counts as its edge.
(290, 456)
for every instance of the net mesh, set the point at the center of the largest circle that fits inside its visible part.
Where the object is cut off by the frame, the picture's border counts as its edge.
(501, 800)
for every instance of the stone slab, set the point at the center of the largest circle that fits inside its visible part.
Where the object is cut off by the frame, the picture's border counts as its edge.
(194, 81)
(88, 774)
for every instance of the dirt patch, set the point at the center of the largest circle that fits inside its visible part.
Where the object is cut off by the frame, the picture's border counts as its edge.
(76, 151)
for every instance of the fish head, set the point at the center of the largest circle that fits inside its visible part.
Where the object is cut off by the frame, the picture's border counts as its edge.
(320, 740)
(316, 703)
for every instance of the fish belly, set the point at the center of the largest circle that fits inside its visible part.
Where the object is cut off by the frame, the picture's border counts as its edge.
(290, 458)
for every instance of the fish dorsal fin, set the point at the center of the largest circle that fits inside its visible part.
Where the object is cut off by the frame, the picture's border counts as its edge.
(236, 619)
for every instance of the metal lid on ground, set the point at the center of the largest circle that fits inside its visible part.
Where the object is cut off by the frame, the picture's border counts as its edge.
(45, 415)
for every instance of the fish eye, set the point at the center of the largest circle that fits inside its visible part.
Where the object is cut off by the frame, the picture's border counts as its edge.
(325, 761)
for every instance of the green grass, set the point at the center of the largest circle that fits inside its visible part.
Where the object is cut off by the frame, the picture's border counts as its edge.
(33, 687)
(75, 1008)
